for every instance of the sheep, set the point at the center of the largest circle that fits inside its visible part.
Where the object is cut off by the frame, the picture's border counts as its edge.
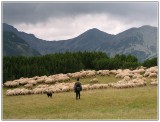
(65, 88)
(51, 89)
(91, 87)
(154, 82)
(91, 73)
(7, 83)
(100, 86)
(118, 75)
(103, 72)
(121, 81)
(153, 69)
(76, 75)
(33, 82)
(94, 80)
(57, 78)
(114, 72)
(11, 84)
(70, 85)
(123, 73)
(42, 86)
(138, 71)
(37, 90)
(24, 91)
(49, 80)
(9, 92)
(141, 70)
(28, 85)
(105, 85)
(60, 79)
(18, 91)
(40, 80)
(35, 78)
(152, 75)
(146, 74)
(82, 74)
(151, 72)
(85, 87)
(96, 86)
(126, 78)
(57, 90)
(129, 84)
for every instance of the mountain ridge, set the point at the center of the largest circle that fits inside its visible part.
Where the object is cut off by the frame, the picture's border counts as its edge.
(138, 41)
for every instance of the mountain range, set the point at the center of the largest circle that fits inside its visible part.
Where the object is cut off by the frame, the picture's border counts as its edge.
(140, 42)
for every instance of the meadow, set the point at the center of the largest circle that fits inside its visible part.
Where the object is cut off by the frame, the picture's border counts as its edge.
(139, 103)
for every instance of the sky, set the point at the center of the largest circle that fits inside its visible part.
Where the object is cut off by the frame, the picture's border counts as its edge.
(54, 21)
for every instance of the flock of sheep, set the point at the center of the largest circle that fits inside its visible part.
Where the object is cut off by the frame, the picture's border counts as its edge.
(60, 82)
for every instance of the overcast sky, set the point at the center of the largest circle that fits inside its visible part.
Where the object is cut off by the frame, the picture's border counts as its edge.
(64, 20)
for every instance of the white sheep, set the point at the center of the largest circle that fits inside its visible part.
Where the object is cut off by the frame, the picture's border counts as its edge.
(49, 80)
(65, 89)
(103, 72)
(85, 87)
(114, 72)
(94, 80)
(28, 85)
(126, 78)
(11, 84)
(18, 91)
(105, 85)
(152, 75)
(154, 82)
(33, 82)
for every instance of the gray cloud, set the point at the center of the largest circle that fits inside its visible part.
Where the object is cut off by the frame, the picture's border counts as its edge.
(64, 20)
(34, 12)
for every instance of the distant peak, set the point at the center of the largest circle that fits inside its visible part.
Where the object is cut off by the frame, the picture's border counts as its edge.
(147, 26)
(7, 27)
(94, 29)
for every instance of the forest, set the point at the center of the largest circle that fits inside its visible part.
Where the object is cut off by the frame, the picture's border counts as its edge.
(21, 66)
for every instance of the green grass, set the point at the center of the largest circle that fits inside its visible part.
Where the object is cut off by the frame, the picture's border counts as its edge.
(101, 79)
(109, 104)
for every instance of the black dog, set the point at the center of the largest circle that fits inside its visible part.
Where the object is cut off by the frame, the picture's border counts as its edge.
(49, 94)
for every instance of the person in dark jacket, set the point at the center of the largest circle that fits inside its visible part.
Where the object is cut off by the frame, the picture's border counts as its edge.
(77, 88)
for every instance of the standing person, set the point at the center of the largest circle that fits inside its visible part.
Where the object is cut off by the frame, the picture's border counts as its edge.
(77, 88)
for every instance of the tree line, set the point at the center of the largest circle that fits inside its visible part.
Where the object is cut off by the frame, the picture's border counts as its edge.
(21, 66)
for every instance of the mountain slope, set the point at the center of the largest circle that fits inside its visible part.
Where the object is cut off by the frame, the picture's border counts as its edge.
(14, 46)
(88, 41)
(140, 42)
(35, 43)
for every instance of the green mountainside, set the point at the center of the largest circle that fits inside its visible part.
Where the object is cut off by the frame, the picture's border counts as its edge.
(14, 46)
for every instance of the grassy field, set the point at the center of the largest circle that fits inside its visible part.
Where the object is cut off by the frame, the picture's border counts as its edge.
(101, 79)
(109, 104)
